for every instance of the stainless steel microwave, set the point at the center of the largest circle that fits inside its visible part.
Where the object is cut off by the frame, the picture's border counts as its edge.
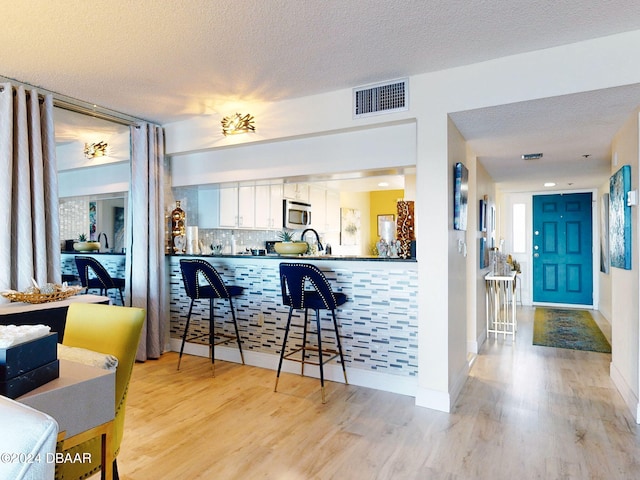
(296, 214)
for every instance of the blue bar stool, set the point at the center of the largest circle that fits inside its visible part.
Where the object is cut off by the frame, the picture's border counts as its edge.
(296, 281)
(100, 280)
(214, 288)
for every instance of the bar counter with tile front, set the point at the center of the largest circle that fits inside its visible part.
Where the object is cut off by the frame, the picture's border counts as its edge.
(378, 324)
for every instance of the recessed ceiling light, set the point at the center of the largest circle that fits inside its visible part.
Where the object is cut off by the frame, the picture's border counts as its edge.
(549, 184)
(383, 184)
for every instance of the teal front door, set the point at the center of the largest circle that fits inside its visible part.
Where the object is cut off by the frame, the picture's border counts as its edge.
(562, 249)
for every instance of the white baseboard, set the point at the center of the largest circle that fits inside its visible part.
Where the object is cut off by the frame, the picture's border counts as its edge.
(444, 401)
(627, 393)
(363, 378)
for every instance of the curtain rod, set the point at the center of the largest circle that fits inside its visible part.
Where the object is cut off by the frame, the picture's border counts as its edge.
(79, 106)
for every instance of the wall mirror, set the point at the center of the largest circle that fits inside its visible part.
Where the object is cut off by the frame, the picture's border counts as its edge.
(93, 182)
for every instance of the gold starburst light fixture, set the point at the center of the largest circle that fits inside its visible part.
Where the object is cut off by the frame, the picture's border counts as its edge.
(93, 150)
(238, 123)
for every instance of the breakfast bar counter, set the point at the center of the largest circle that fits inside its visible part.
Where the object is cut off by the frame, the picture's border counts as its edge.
(378, 324)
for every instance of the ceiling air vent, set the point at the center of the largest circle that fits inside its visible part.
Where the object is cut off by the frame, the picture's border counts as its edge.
(381, 98)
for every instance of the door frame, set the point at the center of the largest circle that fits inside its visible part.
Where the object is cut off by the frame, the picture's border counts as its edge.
(506, 232)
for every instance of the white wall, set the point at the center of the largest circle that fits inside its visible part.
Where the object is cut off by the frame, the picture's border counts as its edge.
(347, 150)
(604, 279)
(96, 180)
(624, 283)
(459, 260)
(477, 315)
(567, 69)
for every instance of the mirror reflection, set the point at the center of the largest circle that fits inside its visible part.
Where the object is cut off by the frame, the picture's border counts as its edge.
(93, 183)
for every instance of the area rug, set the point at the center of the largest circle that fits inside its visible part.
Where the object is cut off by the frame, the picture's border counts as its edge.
(564, 328)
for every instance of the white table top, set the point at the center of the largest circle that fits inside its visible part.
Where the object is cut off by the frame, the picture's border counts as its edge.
(504, 278)
(82, 398)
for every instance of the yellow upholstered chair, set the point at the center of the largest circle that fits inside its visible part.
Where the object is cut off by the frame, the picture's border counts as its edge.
(111, 330)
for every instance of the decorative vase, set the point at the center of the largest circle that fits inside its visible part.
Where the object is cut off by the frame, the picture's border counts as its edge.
(290, 248)
(86, 246)
(405, 227)
(178, 229)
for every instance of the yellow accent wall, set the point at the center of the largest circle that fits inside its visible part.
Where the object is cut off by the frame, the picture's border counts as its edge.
(382, 203)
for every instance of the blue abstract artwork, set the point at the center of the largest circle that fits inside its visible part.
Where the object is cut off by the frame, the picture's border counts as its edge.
(461, 197)
(620, 219)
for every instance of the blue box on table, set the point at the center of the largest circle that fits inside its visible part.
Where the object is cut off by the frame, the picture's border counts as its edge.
(26, 366)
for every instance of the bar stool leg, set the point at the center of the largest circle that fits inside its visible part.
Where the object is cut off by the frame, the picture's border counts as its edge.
(121, 296)
(184, 335)
(235, 324)
(335, 326)
(212, 335)
(304, 339)
(320, 361)
(284, 345)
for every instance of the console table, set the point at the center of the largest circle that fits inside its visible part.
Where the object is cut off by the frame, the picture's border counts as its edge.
(501, 304)
(82, 401)
(52, 314)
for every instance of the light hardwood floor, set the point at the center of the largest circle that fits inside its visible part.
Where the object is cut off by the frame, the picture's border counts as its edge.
(526, 412)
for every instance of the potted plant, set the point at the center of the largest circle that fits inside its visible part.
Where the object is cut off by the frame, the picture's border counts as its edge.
(288, 246)
(82, 245)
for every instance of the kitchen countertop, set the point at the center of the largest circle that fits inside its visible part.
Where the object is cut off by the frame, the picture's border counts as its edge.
(366, 258)
(93, 252)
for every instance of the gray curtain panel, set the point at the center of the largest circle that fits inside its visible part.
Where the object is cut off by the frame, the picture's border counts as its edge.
(145, 237)
(29, 223)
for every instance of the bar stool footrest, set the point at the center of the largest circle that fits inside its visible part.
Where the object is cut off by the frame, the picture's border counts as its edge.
(330, 353)
(227, 338)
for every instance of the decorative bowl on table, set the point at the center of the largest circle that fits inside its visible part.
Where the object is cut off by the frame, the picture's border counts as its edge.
(290, 248)
(48, 293)
(86, 246)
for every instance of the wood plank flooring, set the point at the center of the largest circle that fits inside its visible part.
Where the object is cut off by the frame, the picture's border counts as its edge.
(526, 412)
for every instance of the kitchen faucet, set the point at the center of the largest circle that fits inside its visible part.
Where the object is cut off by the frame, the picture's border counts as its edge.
(317, 237)
(106, 240)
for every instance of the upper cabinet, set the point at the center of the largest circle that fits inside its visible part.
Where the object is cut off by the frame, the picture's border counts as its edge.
(209, 207)
(237, 207)
(268, 206)
(325, 209)
(296, 191)
(333, 211)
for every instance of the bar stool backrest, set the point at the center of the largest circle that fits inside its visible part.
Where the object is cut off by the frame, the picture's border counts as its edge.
(293, 280)
(84, 264)
(190, 269)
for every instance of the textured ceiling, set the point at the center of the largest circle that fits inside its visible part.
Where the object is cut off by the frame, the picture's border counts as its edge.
(573, 132)
(164, 60)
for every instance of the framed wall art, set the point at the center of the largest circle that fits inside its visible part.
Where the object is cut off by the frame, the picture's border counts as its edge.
(461, 197)
(604, 234)
(620, 219)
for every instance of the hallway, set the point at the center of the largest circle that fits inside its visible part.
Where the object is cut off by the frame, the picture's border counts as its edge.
(525, 412)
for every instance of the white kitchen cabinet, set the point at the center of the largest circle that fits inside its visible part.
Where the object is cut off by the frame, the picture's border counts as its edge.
(332, 211)
(317, 198)
(237, 207)
(246, 207)
(325, 209)
(296, 191)
(268, 199)
(208, 207)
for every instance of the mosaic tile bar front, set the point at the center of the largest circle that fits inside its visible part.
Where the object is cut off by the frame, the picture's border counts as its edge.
(378, 325)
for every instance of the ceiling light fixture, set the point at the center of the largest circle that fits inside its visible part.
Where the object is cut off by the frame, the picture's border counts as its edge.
(549, 184)
(383, 184)
(92, 150)
(235, 124)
